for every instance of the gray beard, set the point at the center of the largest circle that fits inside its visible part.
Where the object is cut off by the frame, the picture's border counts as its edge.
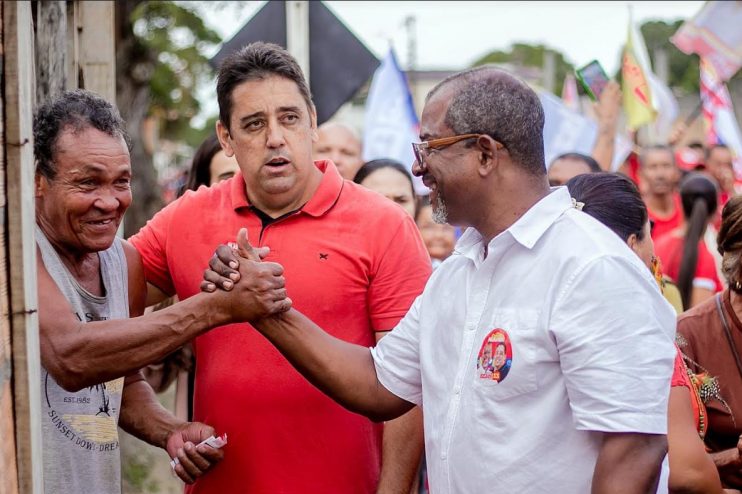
(440, 212)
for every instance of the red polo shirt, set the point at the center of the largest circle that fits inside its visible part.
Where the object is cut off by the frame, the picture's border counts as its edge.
(354, 262)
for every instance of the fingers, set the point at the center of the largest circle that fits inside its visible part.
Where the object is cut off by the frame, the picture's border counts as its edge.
(262, 251)
(212, 280)
(190, 463)
(227, 255)
(217, 264)
(244, 249)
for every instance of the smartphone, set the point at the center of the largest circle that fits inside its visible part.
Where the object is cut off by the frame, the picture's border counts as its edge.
(593, 79)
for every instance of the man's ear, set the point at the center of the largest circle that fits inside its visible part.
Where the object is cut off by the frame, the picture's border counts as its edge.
(313, 123)
(222, 133)
(488, 154)
(40, 185)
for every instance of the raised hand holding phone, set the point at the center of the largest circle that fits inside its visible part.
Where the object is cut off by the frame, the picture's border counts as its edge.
(593, 79)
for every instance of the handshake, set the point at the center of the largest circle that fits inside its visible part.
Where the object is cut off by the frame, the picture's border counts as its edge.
(246, 287)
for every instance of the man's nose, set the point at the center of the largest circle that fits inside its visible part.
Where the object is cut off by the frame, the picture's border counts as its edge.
(107, 200)
(275, 137)
(418, 169)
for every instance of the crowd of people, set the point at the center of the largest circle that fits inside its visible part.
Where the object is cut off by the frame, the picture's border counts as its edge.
(542, 329)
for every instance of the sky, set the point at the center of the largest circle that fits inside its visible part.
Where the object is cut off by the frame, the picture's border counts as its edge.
(452, 35)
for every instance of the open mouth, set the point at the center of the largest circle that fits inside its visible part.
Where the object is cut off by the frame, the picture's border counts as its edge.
(107, 221)
(278, 162)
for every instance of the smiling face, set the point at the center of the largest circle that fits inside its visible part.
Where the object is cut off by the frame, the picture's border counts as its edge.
(499, 358)
(439, 238)
(447, 171)
(80, 209)
(271, 134)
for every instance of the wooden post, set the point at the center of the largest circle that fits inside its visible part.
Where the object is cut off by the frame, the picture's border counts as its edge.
(97, 48)
(19, 96)
(51, 49)
(8, 466)
(297, 33)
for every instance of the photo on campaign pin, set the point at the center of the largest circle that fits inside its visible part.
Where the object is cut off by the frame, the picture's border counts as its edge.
(495, 356)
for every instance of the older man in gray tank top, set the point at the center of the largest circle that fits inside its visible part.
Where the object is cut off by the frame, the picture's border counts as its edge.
(90, 284)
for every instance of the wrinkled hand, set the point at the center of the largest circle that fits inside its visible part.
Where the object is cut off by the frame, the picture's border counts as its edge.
(194, 461)
(608, 106)
(261, 292)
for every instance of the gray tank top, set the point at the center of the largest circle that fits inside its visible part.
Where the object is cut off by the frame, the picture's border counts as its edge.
(80, 430)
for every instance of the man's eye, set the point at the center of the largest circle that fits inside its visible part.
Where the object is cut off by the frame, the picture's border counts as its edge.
(254, 125)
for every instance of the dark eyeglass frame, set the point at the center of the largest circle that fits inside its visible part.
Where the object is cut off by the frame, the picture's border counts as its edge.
(420, 148)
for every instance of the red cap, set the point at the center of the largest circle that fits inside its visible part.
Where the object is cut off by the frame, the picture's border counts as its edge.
(689, 159)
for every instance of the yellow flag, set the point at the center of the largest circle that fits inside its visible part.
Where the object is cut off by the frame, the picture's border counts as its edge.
(637, 97)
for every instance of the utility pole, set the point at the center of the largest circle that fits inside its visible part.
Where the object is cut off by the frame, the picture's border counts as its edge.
(297, 33)
(410, 23)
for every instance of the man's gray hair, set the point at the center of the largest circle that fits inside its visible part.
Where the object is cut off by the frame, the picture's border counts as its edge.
(491, 101)
(77, 110)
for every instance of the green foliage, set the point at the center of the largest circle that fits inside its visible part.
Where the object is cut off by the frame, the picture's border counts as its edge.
(177, 38)
(683, 71)
(530, 56)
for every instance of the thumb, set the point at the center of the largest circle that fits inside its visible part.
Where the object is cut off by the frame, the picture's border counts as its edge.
(244, 249)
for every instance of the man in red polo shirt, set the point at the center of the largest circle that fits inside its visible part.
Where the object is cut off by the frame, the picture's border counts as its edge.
(659, 178)
(354, 262)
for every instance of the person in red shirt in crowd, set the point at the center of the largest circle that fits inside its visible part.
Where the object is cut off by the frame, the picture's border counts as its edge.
(354, 262)
(685, 257)
(719, 167)
(659, 177)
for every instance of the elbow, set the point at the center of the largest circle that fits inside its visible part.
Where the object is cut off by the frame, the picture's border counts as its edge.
(68, 377)
(67, 370)
(689, 481)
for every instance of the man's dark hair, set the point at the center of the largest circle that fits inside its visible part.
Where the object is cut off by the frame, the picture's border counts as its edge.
(657, 147)
(76, 110)
(697, 145)
(612, 199)
(254, 62)
(589, 161)
(711, 149)
(491, 101)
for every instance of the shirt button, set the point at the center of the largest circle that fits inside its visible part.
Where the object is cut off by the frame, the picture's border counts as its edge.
(457, 390)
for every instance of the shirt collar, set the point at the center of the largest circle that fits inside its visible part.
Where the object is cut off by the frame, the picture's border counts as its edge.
(527, 230)
(323, 199)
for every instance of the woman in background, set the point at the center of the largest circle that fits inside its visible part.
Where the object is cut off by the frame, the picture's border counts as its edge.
(615, 201)
(684, 255)
(391, 179)
(713, 331)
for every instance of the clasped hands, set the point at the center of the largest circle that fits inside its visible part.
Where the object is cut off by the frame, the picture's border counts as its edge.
(251, 288)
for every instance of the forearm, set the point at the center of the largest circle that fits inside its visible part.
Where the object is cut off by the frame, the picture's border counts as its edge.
(604, 148)
(342, 370)
(629, 463)
(143, 417)
(402, 450)
(85, 354)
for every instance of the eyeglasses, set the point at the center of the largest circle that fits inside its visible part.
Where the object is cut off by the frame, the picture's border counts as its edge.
(422, 149)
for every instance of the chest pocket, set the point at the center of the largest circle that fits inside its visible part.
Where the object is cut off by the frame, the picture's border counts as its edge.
(504, 363)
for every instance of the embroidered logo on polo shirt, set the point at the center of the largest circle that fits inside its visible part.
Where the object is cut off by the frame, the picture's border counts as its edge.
(323, 256)
(495, 356)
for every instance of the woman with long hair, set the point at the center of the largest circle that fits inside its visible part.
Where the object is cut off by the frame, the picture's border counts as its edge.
(684, 255)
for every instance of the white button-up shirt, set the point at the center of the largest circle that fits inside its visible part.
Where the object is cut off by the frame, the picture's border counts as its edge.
(521, 359)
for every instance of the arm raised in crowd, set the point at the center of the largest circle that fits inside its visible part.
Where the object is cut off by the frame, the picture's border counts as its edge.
(342, 370)
(81, 354)
(607, 110)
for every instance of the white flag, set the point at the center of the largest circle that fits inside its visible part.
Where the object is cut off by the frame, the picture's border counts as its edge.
(390, 124)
